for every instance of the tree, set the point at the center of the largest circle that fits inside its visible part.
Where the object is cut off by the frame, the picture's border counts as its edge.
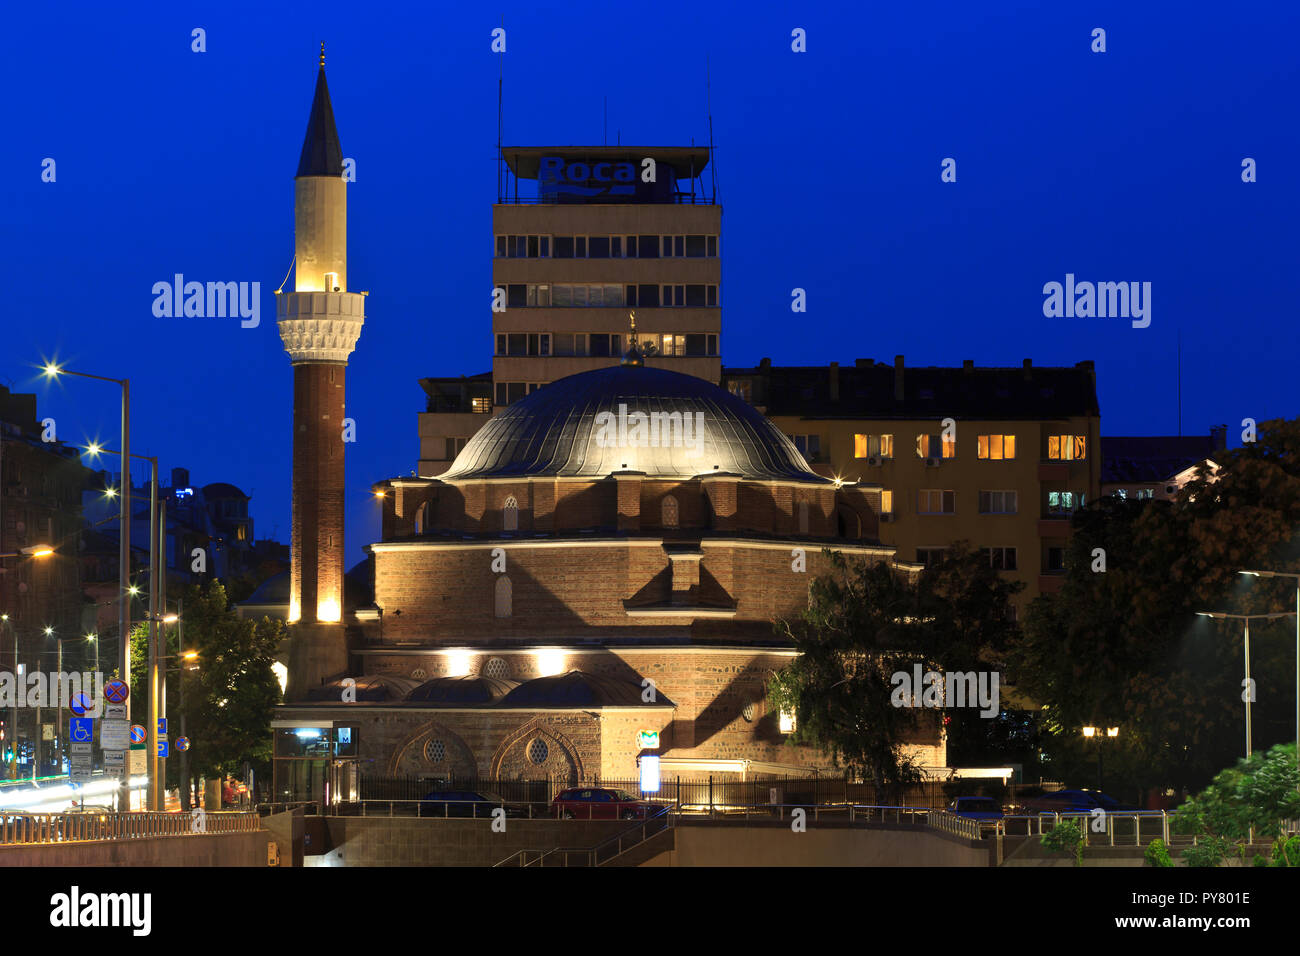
(1256, 795)
(231, 696)
(1123, 646)
(864, 623)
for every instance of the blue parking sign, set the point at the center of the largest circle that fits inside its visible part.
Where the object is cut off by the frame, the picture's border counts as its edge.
(163, 749)
(82, 730)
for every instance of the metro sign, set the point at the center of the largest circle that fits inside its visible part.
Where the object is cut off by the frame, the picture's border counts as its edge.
(572, 178)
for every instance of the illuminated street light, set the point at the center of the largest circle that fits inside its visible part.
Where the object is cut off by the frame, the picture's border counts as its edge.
(1223, 616)
(1296, 577)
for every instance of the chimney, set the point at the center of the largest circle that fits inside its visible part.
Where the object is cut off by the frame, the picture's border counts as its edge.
(765, 363)
(1029, 365)
(835, 381)
(968, 365)
(898, 378)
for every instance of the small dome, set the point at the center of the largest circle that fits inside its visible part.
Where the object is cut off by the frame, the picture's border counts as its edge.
(452, 691)
(630, 418)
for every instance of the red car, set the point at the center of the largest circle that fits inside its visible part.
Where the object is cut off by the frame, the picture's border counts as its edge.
(600, 803)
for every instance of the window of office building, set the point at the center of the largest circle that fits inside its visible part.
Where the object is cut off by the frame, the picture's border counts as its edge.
(996, 447)
(1000, 559)
(1066, 447)
(935, 446)
(997, 502)
(523, 247)
(873, 446)
(520, 343)
(935, 501)
(603, 345)
(508, 393)
(569, 343)
(886, 502)
(454, 446)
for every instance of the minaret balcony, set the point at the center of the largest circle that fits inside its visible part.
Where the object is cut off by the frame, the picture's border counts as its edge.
(320, 326)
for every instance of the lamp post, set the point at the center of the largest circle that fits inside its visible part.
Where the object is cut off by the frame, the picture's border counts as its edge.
(1249, 694)
(1296, 577)
(52, 371)
(1111, 733)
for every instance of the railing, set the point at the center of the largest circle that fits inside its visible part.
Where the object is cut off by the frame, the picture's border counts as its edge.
(957, 825)
(39, 828)
(602, 852)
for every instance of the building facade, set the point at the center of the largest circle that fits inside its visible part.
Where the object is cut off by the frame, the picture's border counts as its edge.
(997, 457)
(597, 230)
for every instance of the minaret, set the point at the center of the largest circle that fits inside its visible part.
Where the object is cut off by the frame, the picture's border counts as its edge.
(320, 322)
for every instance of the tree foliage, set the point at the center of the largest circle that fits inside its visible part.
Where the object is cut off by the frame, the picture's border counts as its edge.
(1125, 647)
(864, 622)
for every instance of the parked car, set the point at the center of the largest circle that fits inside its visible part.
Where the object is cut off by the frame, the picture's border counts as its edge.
(600, 803)
(467, 803)
(976, 808)
(1074, 801)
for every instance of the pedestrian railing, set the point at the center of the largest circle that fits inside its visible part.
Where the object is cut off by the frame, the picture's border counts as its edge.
(960, 826)
(44, 828)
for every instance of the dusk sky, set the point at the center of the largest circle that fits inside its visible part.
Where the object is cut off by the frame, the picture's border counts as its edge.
(1117, 166)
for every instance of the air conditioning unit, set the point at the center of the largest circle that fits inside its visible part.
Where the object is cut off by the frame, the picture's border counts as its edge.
(873, 460)
(932, 462)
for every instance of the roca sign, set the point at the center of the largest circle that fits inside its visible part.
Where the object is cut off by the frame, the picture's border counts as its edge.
(555, 168)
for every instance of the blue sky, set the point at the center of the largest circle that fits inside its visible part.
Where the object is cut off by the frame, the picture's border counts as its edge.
(1123, 165)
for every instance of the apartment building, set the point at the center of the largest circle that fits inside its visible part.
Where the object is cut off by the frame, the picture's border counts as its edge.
(997, 457)
(581, 238)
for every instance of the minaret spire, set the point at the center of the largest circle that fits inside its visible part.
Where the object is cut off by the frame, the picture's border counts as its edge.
(322, 54)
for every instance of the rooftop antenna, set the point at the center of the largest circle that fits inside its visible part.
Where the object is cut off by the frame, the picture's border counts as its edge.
(605, 132)
(708, 98)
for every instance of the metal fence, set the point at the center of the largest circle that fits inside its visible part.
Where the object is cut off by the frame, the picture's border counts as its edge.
(33, 828)
(687, 793)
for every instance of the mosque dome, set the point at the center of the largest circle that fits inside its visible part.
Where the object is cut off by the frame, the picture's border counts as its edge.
(630, 418)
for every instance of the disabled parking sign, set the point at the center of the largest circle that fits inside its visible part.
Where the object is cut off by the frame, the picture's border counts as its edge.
(82, 730)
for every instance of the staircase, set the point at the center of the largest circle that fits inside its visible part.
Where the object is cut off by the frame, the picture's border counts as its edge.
(634, 846)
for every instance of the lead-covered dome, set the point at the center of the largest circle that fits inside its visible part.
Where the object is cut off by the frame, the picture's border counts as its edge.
(630, 418)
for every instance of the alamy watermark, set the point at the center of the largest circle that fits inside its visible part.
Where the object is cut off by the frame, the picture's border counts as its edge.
(950, 689)
(1102, 300)
(55, 689)
(215, 300)
(650, 430)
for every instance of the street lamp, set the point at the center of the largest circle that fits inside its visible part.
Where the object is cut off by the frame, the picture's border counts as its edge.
(1111, 732)
(53, 371)
(1296, 578)
(1250, 688)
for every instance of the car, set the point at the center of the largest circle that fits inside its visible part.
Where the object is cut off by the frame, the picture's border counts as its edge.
(467, 803)
(600, 803)
(88, 808)
(976, 808)
(1074, 801)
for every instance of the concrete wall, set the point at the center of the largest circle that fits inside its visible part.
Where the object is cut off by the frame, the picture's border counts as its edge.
(702, 845)
(214, 849)
(414, 841)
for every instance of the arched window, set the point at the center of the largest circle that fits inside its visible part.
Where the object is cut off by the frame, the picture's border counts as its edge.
(421, 517)
(504, 599)
(510, 515)
(670, 512)
(803, 517)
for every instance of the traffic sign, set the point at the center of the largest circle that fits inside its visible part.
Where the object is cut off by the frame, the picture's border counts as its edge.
(82, 730)
(162, 726)
(117, 691)
(114, 759)
(138, 761)
(79, 768)
(163, 749)
(114, 735)
(80, 703)
(137, 734)
(115, 711)
(80, 749)
(182, 744)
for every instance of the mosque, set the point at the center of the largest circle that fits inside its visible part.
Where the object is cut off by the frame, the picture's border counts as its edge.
(593, 580)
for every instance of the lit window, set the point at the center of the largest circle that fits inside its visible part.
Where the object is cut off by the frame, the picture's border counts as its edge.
(787, 722)
(996, 447)
(873, 446)
(886, 502)
(935, 446)
(1066, 447)
(670, 517)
